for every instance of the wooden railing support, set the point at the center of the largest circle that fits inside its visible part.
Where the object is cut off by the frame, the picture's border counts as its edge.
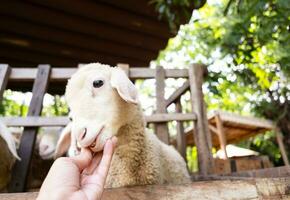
(21, 168)
(180, 135)
(161, 129)
(221, 135)
(201, 132)
(4, 76)
(281, 145)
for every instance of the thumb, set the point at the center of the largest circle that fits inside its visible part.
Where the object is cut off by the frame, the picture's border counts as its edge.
(83, 159)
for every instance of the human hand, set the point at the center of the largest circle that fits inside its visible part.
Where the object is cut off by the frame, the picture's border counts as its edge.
(80, 177)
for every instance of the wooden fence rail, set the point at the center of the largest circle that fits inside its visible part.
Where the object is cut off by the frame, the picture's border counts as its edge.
(33, 121)
(246, 189)
(62, 74)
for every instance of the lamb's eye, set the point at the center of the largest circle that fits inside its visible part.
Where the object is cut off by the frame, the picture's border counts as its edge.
(98, 83)
(70, 118)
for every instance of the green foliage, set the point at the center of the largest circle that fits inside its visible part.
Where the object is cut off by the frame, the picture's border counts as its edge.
(265, 144)
(176, 12)
(245, 44)
(191, 157)
(58, 108)
(9, 107)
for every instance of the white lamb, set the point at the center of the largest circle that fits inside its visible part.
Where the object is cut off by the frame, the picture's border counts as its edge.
(47, 141)
(103, 104)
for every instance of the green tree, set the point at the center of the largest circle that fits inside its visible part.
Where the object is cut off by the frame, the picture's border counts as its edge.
(245, 44)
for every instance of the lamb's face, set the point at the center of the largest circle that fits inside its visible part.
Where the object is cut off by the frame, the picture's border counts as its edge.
(94, 98)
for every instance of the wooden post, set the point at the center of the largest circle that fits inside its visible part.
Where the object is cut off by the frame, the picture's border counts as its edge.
(201, 131)
(4, 76)
(21, 168)
(125, 67)
(161, 129)
(180, 136)
(279, 138)
(221, 135)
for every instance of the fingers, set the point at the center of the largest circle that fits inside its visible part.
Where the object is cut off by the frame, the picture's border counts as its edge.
(84, 159)
(94, 164)
(94, 184)
(104, 165)
(96, 160)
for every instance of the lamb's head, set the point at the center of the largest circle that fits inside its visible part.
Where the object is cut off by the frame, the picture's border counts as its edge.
(47, 141)
(100, 99)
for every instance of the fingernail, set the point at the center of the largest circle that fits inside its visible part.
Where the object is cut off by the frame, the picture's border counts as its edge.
(114, 140)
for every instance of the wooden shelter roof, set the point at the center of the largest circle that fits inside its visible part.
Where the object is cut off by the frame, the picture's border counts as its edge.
(64, 33)
(236, 127)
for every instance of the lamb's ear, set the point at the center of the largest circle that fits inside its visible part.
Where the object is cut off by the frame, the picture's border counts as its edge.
(8, 138)
(124, 86)
(63, 142)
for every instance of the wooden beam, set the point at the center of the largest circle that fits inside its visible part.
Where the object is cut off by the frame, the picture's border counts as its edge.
(201, 132)
(20, 169)
(98, 12)
(213, 129)
(221, 135)
(62, 74)
(243, 121)
(141, 73)
(16, 41)
(180, 135)
(161, 129)
(246, 189)
(177, 93)
(73, 39)
(281, 145)
(36, 121)
(33, 56)
(273, 172)
(137, 8)
(105, 31)
(4, 76)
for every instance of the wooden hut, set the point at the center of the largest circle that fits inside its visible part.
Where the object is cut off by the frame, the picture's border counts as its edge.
(229, 128)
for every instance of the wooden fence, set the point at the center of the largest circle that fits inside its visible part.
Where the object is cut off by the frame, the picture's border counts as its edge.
(45, 74)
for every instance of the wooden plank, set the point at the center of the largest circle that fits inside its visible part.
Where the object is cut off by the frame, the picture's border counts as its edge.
(75, 40)
(98, 12)
(35, 121)
(221, 135)
(35, 56)
(176, 94)
(201, 133)
(161, 129)
(141, 73)
(180, 136)
(252, 189)
(281, 145)
(212, 128)
(25, 13)
(273, 172)
(63, 50)
(136, 7)
(241, 121)
(20, 169)
(62, 74)
(4, 76)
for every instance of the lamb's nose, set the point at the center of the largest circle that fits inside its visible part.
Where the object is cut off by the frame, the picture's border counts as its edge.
(83, 134)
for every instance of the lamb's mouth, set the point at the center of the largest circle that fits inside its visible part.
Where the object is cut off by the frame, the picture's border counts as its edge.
(95, 140)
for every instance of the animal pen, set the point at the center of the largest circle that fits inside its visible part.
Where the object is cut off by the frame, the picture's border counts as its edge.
(272, 183)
